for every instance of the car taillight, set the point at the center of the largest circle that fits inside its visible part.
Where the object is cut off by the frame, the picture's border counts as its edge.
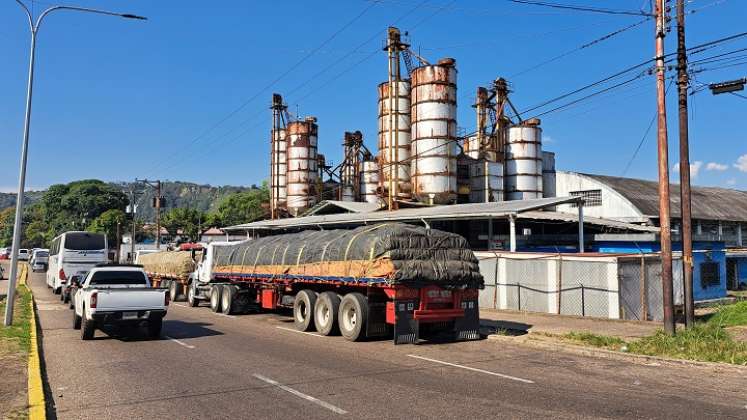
(94, 299)
(61, 275)
(166, 298)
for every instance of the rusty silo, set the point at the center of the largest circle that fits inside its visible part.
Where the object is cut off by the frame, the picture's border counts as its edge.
(486, 181)
(278, 165)
(433, 114)
(394, 138)
(302, 173)
(524, 161)
(369, 181)
(548, 174)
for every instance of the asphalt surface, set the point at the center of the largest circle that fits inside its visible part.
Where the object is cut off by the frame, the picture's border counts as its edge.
(255, 366)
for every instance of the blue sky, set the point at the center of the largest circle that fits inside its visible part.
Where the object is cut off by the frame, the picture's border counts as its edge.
(117, 99)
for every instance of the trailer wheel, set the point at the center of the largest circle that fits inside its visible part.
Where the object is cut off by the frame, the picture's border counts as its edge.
(303, 310)
(353, 316)
(191, 299)
(173, 291)
(215, 297)
(325, 313)
(228, 299)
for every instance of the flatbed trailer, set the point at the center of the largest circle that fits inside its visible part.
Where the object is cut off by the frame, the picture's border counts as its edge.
(177, 285)
(357, 308)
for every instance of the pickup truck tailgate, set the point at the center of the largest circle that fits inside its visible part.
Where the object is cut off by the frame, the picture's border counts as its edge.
(125, 299)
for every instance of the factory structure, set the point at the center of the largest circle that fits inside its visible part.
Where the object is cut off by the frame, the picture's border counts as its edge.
(499, 189)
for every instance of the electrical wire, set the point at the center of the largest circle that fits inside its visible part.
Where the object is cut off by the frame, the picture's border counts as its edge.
(581, 8)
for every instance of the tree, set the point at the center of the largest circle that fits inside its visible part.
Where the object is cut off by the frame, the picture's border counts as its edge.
(6, 226)
(243, 207)
(107, 223)
(188, 220)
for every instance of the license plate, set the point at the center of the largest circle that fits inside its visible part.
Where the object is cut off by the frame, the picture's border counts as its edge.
(129, 315)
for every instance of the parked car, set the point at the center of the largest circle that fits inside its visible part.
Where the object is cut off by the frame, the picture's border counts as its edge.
(4, 253)
(23, 254)
(118, 295)
(39, 260)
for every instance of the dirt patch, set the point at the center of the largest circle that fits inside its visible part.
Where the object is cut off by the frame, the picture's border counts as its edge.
(739, 333)
(13, 380)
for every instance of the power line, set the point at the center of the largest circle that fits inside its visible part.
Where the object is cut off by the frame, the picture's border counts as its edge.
(581, 8)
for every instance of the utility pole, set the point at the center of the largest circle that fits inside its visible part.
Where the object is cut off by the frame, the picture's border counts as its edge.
(157, 201)
(119, 241)
(663, 160)
(685, 198)
(133, 210)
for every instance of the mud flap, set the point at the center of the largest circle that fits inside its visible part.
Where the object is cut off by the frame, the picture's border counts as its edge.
(406, 328)
(468, 326)
(376, 325)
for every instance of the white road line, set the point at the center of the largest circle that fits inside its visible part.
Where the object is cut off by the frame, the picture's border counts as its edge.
(513, 378)
(300, 394)
(181, 343)
(300, 332)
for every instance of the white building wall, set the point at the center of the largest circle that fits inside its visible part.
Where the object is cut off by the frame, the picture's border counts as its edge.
(614, 206)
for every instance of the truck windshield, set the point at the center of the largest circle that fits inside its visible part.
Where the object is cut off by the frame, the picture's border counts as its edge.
(102, 278)
(42, 254)
(84, 241)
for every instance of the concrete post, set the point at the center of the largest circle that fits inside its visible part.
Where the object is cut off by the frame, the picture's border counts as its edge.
(512, 232)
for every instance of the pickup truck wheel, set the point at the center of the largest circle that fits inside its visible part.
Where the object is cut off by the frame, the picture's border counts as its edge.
(155, 327)
(76, 321)
(303, 310)
(352, 317)
(191, 299)
(215, 297)
(325, 313)
(88, 328)
(228, 299)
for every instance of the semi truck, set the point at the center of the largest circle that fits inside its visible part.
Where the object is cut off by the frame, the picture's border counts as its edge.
(394, 280)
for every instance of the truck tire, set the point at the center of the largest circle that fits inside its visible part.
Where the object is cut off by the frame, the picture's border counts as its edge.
(325, 313)
(155, 327)
(76, 321)
(191, 298)
(87, 328)
(228, 299)
(173, 291)
(303, 310)
(66, 297)
(215, 297)
(353, 316)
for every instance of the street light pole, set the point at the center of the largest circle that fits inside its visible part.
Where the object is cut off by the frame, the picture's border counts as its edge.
(34, 27)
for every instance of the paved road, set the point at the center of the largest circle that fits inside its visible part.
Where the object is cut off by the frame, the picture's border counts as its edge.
(255, 366)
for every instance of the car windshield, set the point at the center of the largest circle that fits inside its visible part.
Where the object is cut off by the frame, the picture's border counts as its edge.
(102, 278)
(42, 254)
(84, 241)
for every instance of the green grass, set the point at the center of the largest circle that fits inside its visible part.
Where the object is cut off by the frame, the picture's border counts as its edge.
(19, 333)
(706, 342)
(596, 340)
(730, 315)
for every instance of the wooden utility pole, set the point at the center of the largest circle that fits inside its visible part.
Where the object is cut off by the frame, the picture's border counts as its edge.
(663, 159)
(158, 214)
(685, 199)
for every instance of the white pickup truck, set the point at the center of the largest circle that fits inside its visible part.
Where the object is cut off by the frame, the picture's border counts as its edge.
(118, 295)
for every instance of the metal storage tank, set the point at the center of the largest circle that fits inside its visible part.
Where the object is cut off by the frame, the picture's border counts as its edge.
(434, 127)
(400, 123)
(369, 181)
(524, 161)
(486, 181)
(548, 174)
(302, 172)
(472, 147)
(278, 167)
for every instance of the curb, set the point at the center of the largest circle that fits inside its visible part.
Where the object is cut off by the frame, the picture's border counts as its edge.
(37, 403)
(614, 355)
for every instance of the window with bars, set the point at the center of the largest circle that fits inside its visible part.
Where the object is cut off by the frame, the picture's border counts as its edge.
(592, 198)
(710, 274)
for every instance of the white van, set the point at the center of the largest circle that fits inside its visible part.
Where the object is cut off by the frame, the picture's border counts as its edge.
(74, 252)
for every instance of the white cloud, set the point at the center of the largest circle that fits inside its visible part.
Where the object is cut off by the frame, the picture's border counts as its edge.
(694, 168)
(731, 182)
(715, 166)
(548, 140)
(741, 163)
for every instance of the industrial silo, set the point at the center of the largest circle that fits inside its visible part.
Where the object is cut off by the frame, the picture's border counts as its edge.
(433, 114)
(369, 181)
(302, 172)
(394, 138)
(524, 161)
(278, 168)
(486, 181)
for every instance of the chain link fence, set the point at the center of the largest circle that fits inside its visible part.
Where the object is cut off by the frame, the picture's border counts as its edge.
(604, 286)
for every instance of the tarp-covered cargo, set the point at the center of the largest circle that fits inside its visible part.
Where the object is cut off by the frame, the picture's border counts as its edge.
(398, 254)
(174, 264)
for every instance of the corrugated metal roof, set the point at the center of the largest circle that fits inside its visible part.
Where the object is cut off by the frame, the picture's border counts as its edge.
(521, 208)
(335, 206)
(708, 203)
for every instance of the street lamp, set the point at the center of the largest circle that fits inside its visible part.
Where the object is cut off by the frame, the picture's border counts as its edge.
(34, 26)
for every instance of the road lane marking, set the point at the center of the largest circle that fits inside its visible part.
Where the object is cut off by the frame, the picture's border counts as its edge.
(300, 332)
(300, 394)
(181, 343)
(487, 372)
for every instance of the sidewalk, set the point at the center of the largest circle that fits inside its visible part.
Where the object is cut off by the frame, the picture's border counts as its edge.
(534, 323)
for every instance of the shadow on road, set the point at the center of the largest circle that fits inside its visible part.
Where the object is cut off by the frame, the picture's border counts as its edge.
(172, 328)
(491, 326)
